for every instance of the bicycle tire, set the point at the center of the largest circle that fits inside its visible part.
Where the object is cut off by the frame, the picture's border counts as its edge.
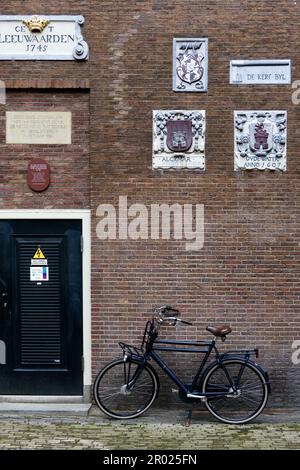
(118, 400)
(225, 409)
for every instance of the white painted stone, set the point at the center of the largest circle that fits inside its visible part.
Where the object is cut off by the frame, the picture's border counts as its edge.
(61, 39)
(260, 72)
(260, 140)
(190, 64)
(165, 158)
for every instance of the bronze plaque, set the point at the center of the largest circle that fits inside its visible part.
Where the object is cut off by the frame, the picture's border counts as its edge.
(38, 175)
(179, 135)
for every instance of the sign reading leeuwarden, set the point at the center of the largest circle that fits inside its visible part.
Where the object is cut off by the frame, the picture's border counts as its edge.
(42, 38)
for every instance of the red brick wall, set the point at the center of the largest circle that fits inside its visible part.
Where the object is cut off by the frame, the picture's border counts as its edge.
(66, 161)
(247, 273)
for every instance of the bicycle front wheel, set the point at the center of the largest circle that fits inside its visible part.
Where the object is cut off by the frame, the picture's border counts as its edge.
(245, 400)
(125, 390)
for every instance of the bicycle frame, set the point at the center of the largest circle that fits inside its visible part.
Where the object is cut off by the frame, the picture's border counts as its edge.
(208, 347)
(159, 361)
(150, 347)
(233, 387)
(126, 388)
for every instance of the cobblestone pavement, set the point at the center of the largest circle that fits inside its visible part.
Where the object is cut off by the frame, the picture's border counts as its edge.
(164, 430)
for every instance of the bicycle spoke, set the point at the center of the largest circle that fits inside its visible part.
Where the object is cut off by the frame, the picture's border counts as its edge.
(244, 400)
(125, 389)
(250, 387)
(220, 402)
(141, 393)
(250, 400)
(144, 384)
(108, 397)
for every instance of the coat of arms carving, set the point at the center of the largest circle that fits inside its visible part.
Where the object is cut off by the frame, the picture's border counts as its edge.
(260, 140)
(190, 64)
(179, 135)
(178, 139)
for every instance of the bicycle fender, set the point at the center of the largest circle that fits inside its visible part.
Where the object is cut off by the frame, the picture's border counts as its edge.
(254, 364)
(240, 358)
(143, 362)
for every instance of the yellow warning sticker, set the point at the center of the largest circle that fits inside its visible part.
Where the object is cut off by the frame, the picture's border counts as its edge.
(39, 254)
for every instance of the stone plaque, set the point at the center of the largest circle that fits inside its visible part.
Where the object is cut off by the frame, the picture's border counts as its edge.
(178, 139)
(38, 175)
(260, 140)
(260, 72)
(190, 61)
(42, 38)
(26, 127)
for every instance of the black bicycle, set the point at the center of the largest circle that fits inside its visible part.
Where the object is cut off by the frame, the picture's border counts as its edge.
(233, 388)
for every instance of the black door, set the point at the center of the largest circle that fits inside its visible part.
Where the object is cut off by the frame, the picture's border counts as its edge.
(41, 307)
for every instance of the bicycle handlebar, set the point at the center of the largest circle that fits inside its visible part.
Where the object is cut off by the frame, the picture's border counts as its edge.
(175, 320)
(165, 310)
(184, 321)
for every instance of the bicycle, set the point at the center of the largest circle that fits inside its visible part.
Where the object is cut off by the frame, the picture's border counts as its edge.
(233, 388)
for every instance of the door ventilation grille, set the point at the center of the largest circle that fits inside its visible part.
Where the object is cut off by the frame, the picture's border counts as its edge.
(40, 308)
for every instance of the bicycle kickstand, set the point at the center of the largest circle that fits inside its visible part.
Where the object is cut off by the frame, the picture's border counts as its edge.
(188, 421)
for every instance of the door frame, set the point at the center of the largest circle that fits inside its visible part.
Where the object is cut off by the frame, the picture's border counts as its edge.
(85, 216)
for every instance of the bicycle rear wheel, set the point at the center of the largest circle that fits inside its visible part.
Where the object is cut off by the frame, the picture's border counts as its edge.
(242, 405)
(125, 390)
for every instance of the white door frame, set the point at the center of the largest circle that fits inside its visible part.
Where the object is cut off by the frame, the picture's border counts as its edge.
(85, 216)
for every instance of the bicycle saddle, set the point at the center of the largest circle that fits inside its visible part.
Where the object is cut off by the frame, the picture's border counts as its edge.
(219, 331)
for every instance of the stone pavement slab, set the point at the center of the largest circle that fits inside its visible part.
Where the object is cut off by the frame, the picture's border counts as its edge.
(158, 430)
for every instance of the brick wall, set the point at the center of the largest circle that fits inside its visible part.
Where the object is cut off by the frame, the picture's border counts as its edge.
(66, 161)
(247, 273)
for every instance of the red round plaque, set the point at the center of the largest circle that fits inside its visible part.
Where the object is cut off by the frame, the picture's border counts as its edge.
(38, 175)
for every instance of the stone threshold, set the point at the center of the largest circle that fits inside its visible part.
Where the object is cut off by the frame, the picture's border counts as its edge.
(74, 408)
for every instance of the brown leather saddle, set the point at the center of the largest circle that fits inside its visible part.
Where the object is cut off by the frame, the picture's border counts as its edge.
(220, 331)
